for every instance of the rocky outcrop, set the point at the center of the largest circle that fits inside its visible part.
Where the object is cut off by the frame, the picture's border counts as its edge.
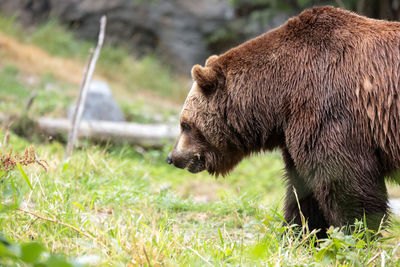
(182, 32)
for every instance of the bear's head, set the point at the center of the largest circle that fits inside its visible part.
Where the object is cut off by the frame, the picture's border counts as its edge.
(206, 140)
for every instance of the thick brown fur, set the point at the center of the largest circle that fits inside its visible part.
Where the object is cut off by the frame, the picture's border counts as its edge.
(324, 88)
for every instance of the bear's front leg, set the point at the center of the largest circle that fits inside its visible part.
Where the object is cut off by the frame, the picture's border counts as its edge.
(303, 198)
(310, 209)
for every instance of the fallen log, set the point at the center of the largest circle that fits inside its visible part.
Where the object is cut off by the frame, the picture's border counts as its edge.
(146, 135)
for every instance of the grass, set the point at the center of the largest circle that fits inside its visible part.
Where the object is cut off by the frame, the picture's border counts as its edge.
(54, 97)
(121, 197)
(134, 205)
(10, 86)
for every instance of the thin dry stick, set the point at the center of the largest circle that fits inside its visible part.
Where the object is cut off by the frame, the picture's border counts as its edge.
(147, 257)
(303, 219)
(87, 78)
(373, 258)
(74, 126)
(198, 254)
(30, 101)
(63, 224)
(55, 221)
(6, 139)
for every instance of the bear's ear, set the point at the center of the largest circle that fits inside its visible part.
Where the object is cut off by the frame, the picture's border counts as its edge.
(210, 77)
(206, 78)
(211, 60)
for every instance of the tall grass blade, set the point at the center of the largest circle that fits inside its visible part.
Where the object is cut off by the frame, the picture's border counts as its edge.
(24, 176)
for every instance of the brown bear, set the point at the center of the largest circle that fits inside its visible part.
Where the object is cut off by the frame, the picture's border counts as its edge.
(323, 88)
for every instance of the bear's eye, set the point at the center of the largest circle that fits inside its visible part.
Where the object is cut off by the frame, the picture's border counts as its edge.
(185, 126)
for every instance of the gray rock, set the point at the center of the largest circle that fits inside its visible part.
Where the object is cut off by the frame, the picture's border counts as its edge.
(100, 104)
(394, 205)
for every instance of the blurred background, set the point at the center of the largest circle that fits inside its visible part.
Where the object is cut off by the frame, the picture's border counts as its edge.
(181, 32)
(121, 193)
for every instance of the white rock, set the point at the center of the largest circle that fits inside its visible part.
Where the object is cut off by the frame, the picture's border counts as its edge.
(394, 205)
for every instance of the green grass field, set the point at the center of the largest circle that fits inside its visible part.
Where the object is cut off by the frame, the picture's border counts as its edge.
(118, 205)
(127, 205)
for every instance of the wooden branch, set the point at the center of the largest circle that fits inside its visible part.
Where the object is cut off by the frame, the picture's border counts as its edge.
(72, 134)
(146, 135)
(87, 79)
(30, 101)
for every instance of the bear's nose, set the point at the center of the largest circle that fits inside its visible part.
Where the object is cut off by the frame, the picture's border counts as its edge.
(169, 160)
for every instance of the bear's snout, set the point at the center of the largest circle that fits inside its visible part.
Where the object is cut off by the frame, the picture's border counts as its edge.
(169, 159)
(194, 162)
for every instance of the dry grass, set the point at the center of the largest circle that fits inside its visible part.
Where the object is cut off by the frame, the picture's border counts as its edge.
(34, 61)
(31, 59)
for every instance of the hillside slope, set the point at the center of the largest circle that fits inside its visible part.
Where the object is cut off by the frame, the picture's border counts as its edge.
(38, 61)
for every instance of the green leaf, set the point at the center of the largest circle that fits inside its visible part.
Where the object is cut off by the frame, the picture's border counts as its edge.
(58, 261)
(4, 241)
(258, 251)
(24, 175)
(14, 190)
(65, 166)
(92, 202)
(220, 236)
(8, 250)
(79, 206)
(30, 252)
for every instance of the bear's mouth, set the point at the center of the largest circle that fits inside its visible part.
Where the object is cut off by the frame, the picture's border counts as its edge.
(196, 164)
(193, 162)
(196, 167)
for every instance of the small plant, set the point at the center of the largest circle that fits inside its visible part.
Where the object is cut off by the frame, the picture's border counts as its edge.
(30, 252)
(343, 247)
(10, 160)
